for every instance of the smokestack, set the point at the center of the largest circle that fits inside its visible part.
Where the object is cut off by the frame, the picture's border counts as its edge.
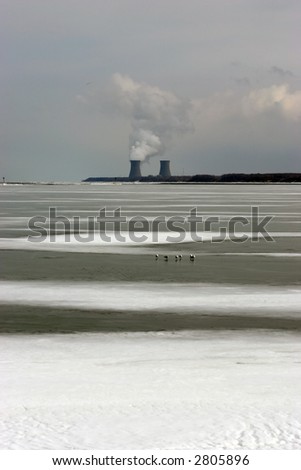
(165, 169)
(135, 173)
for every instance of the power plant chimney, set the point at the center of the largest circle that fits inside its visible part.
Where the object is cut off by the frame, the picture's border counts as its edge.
(135, 173)
(165, 169)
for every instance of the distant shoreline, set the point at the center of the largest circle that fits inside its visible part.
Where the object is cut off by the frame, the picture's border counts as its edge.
(227, 178)
(187, 183)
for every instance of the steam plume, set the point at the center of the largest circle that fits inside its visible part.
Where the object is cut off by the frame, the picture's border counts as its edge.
(156, 116)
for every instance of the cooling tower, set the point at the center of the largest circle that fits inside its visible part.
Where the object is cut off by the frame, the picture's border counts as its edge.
(135, 173)
(164, 169)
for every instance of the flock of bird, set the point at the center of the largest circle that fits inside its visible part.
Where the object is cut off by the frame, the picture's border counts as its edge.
(176, 258)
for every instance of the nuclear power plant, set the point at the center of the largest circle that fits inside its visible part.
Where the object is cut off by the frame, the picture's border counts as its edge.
(135, 170)
(135, 174)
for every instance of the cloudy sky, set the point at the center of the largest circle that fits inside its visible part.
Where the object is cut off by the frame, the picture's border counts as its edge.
(214, 86)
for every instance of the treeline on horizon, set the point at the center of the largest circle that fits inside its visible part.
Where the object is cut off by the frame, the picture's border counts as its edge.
(232, 178)
(249, 178)
(204, 178)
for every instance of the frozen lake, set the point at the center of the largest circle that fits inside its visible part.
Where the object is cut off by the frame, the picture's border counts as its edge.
(155, 354)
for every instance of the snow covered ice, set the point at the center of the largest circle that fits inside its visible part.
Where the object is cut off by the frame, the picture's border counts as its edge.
(164, 390)
(142, 296)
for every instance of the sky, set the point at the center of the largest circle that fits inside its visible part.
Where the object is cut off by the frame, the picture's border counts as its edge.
(214, 86)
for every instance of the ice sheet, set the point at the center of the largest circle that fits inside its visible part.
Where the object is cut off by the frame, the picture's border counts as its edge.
(141, 391)
(148, 296)
(98, 244)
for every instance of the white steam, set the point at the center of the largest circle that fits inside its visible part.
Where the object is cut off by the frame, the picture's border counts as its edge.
(156, 116)
(145, 144)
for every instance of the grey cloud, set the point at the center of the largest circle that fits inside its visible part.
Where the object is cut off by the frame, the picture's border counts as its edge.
(281, 72)
(243, 82)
